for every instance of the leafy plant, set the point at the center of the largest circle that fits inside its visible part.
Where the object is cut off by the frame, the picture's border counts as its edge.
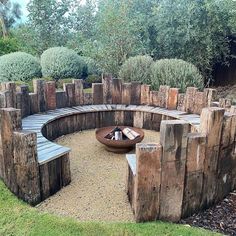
(117, 35)
(195, 31)
(175, 73)
(137, 69)
(8, 45)
(61, 62)
(19, 66)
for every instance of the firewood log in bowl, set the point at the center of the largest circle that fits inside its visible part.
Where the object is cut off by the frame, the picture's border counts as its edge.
(118, 146)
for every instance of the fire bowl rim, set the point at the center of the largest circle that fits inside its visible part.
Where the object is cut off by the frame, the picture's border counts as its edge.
(101, 132)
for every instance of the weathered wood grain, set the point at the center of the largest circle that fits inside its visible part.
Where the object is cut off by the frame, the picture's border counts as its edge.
(61, 99)
(163, 95)
(97, 91)
(79, 96)
(126, 93)
(50, 90)
(173, 138)
(69, 88)
(135, 93)
(25, 100)
(145, 94)
(10, 122)
(26, 167)
(39, 89)
(172, 98)
(107, 89)
(147, 182)
(116, 91)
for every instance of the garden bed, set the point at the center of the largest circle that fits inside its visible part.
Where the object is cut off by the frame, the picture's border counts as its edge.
(221, 218)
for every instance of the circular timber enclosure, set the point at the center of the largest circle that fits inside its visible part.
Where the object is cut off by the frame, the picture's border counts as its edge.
(192, 167)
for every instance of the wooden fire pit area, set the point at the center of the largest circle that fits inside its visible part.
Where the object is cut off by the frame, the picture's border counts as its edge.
(192, 167)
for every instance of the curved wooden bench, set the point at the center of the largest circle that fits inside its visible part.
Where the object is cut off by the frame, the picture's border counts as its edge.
(47, 150)
(194, 166)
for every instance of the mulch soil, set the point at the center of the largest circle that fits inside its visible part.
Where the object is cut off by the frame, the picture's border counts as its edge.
(220, 218)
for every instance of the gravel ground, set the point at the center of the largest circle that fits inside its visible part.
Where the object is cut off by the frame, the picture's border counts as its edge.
(97, 191)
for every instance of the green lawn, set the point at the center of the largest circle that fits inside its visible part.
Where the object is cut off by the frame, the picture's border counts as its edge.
(88, 90)
(17, 218)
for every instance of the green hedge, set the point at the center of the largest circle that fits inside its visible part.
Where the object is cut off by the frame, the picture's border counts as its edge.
(175, 73)
(61, 62)
(137, 69)
(19, 66)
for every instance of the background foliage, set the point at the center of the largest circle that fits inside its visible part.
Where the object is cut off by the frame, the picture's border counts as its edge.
(19, 66)
(111, 31)
(8, 45)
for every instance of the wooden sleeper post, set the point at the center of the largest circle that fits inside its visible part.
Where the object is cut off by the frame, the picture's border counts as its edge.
(61, 99)
(79, 96)
(147, 182)
(25, 100)
(163, 95)
(190, 99)
(11, 98)
(69, 88)
(39, 89)
(145, 94)
(50, 90)
(209, 96)
(154, 98)
(135, 93)
(116, 91)
(97, 91)
(211, 122)
(107, 89)
(173, 98)
(10, 122)
(194, 173)
(126, 93)
(173, 137)
(26, 166)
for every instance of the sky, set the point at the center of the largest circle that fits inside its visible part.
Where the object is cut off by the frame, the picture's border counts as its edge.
(23, 4)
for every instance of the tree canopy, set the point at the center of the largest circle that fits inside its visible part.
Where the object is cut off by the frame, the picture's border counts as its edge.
(111, 31)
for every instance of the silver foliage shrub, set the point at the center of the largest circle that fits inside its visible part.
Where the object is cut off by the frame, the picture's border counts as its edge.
(19, 66)
(175, 73)
(136, 69)
(61, 63)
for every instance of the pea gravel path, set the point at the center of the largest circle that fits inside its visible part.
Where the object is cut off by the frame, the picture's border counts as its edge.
(97, 191)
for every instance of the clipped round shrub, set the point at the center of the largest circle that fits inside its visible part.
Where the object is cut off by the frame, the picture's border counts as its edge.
(175, 73)
(19, 66)
(137, 69)
(62, 63)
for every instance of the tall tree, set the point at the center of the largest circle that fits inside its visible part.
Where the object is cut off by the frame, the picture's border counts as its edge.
(49, 20)
(117, 35)
(10, 12)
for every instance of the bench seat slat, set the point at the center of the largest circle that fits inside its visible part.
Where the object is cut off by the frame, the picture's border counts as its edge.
(131, 158)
